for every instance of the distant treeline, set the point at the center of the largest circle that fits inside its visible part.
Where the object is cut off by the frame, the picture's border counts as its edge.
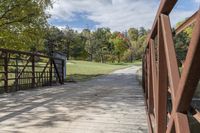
(100, 45)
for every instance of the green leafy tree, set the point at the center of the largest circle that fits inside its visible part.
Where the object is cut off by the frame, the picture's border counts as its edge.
(133, 34)
(54, 40)
(182, 41)
(120, 45)
(137, 43)
(89, 47)
(78, 47)
(101, 39)
(69, 40)
(23, 23)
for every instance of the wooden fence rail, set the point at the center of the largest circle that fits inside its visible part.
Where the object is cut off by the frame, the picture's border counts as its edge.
(169, 92)
(23, 70)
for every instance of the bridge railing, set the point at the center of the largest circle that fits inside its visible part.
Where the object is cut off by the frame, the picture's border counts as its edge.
(24, 70)
(169, 92)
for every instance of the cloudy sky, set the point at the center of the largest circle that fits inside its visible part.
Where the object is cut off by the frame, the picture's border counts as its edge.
(118, 15)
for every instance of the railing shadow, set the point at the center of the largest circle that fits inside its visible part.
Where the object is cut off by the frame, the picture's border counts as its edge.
(48, 106)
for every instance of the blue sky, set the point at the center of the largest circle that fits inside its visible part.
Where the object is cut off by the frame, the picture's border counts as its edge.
(118, 15)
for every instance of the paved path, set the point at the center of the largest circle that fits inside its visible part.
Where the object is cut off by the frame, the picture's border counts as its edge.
(107, 104)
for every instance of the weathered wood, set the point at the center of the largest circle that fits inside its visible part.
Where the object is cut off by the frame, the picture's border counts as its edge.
(33, 70)
(51, 72)
(191, 74)
(57, 72)
(150, 86)
(25, 66)
(162, 84)
(6, 71)
(181, 121)
(190, 21)
(172, 65)
(165, 7)
(43, 71)
(179, 89)
(106, 104)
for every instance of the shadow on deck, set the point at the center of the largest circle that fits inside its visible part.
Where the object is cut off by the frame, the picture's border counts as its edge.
(112, 103)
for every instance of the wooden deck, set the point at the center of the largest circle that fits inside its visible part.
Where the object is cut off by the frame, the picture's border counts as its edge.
(107, 104)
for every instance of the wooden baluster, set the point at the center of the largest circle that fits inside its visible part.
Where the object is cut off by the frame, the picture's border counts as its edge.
(33, 71)
(51, 71)
(6, 72)
(162, 84)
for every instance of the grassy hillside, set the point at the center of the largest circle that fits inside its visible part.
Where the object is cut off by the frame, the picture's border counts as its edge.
(83, 70)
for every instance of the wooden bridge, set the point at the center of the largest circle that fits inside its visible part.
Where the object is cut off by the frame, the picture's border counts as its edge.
(112, 103)
(169, 91)
(105, 104)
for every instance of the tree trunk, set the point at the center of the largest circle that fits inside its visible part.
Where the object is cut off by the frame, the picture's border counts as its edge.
(119, 58)
(131, 57)
(91, 57)
(101, 56)
(68, 50)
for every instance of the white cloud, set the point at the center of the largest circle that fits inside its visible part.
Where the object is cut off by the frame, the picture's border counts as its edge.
(115, 14)
(60, 27)
(179, 15)
(198, 1)
(77, 29)
(64, 28)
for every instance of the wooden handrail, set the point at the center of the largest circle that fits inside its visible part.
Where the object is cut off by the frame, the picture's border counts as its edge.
(165, 7)
(191, 20)
(161, 72)
(26, 53)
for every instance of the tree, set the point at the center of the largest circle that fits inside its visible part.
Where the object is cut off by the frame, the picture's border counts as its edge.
(133, 34)
(97, 43)
(142, 31)
(136, 43)
(101, 39)
(69, 40)
(54, 40)
(78, 47)
(120, 45)
(23, 23)
(182, 41)
(89, 43)
(181, 45)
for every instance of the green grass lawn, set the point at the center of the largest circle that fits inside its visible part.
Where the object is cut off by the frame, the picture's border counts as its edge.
(83, 70)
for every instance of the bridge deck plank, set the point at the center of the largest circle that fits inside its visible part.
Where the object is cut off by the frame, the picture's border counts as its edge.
(112, 103)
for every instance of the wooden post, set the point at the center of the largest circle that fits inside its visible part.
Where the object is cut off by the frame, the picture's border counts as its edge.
(162, 84)
(57, 72)
(63, 74)
(16, 75)
(6, 72)
(50, 71)
(150, 78)
(33, 71)
(47, 77)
